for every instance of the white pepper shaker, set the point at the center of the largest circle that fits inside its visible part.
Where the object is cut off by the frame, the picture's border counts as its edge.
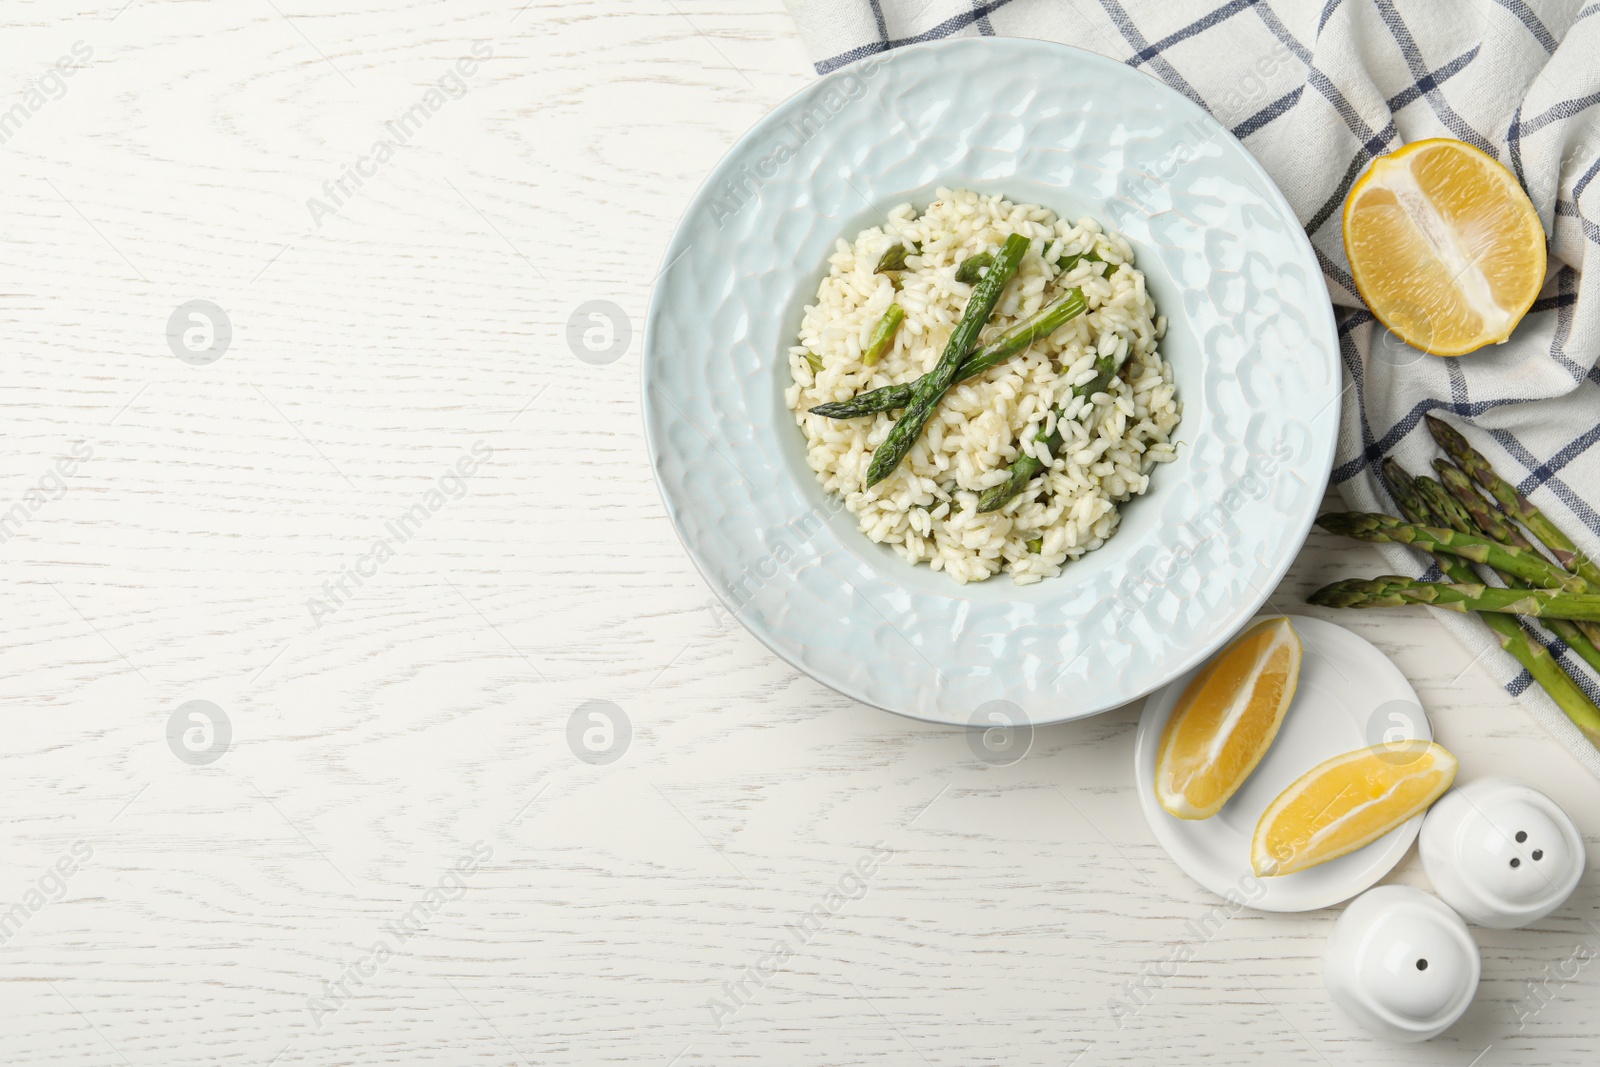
(1401, 964)
(1501, 853)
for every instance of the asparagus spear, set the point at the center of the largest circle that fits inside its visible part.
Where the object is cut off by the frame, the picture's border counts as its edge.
(996, 352)
(1561, 689)
(1066, 263)
(933, 385)
(1490, 519)
(1392, 590)
(1532, 655)
(893, 258)
(971, 268)
(1415, 506)
(1574, 634)
(1514, 503)
(883, 334)
(1386, 529)
(1404, 491)
(1025, 466)
(1446, 509)
(1022, 471)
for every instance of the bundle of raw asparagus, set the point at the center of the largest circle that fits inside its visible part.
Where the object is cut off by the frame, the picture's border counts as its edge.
(1452, 521)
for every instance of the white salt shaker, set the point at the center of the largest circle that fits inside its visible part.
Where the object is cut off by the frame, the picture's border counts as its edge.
(1401, 963)
(1501, 853)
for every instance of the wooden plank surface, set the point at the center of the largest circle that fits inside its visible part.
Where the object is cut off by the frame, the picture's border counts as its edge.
(399, 859)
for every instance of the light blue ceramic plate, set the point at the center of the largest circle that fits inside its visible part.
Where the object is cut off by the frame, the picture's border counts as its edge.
(1250, 336)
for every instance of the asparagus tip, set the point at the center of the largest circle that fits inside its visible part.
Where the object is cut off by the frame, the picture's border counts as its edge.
(1446, 435)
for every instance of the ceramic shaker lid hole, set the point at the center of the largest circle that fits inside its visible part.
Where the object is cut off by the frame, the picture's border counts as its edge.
(1506, 853)
(1501, 853)
(1401, 964)
(1418, 967)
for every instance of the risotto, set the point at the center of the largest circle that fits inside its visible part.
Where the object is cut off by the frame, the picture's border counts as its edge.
(1020, 468)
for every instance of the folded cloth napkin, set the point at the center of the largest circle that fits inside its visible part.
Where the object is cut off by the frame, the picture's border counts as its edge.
(1317, 88)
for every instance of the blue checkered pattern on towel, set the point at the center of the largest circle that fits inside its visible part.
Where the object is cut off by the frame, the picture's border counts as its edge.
(1315, 90)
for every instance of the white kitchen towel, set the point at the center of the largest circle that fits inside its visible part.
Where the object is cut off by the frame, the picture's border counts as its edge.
(1315, 90)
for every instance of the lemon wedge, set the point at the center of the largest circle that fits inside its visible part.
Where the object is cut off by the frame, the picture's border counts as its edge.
(1347, 802)
(1225, 720)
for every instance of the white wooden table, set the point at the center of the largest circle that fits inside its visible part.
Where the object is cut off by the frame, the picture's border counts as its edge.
(398, 859)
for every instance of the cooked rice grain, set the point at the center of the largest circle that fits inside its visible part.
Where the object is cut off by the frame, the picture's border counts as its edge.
(927, 509)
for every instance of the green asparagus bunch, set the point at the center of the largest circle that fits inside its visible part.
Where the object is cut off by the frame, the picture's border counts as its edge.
(1515, 640)
(1451, 520)
(1439, 540)
(1494, 523)
(1512, 502)
(1441, 505)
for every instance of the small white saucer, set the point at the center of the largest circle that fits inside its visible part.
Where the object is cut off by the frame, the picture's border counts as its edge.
(1350, 696)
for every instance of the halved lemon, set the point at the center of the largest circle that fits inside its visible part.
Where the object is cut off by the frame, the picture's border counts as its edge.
(1225, 720)
(1444, 245)
(1347, 802)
